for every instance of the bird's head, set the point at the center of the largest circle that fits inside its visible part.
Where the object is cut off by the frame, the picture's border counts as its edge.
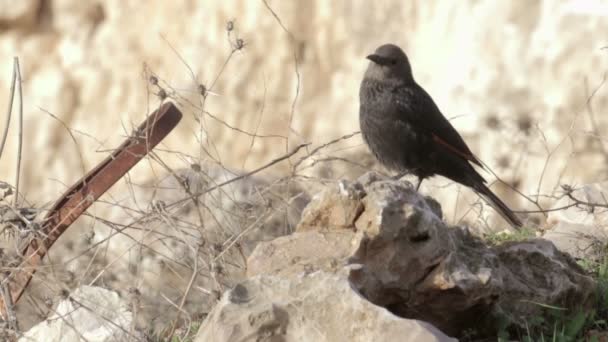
(389, 62)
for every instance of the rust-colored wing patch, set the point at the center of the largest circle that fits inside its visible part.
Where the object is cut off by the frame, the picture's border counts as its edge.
(467, 156)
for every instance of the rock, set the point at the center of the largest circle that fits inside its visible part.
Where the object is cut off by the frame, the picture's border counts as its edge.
(581, 241)
(580, 229)
(162, 242)
(90, 314)
(334, 208)
(582, 214)
(412, 263)
(535, 271)
(302, 252)
(321, 306)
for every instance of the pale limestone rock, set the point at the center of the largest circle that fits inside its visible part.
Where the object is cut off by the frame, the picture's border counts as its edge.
(320, 307)
(582, 241)
(581, 230)
(302, 252)
(411, 262)
(91, 314)
(342, 206)
(582, 214)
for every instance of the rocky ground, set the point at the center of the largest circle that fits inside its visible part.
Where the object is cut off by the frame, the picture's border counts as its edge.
(369, 260)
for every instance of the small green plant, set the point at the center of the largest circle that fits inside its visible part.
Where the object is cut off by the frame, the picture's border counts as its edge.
(556, 324)
(560, 325)
(504, 236)
(191, 333)
(183, 334)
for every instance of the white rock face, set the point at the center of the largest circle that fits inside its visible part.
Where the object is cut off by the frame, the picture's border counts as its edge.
(580, 230)
(320, 307)
(91, 314)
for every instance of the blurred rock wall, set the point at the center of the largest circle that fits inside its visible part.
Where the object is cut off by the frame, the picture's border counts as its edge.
(514, 76)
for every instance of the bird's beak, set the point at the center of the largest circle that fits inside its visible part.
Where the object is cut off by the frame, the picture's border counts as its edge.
(378, 59)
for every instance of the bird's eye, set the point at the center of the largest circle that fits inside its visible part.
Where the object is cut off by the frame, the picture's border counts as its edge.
(393, 61)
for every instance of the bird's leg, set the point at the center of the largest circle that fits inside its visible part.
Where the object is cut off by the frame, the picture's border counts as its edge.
(420, 179)
(399, 176)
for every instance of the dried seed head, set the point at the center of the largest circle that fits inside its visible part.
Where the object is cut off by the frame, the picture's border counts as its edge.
(159, 205)
(217, 268)
(516, 183)
(64, 293)
(88, 237)
(240, 44)
(48, 302)
(134, 291)
(525, 123)
(153, 80)
(230, 25)
(504, 161)
(492, 122)
(162, 94)
(202, 89)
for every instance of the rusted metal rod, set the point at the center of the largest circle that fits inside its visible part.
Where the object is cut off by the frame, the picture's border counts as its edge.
(75, 201)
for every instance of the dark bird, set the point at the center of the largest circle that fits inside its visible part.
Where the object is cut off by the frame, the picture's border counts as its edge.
(406, 131)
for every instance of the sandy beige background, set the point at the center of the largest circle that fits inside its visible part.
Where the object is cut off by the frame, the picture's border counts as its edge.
(515, 76)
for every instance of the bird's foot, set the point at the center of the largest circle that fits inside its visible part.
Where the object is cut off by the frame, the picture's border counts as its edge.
(399, 176)
(402, 174)
(420, 179)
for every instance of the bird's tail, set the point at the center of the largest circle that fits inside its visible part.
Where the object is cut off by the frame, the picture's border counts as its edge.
(498, 205)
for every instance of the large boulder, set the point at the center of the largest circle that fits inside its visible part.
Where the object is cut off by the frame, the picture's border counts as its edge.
(411, 262)
(321, 306)
(90, 314)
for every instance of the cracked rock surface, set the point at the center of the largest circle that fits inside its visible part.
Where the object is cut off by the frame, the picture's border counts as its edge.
(400, 255)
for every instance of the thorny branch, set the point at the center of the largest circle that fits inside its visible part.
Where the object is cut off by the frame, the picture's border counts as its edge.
(569, 192)
(246, 175)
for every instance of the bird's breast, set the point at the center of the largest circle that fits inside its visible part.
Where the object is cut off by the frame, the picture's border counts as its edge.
(388, 129)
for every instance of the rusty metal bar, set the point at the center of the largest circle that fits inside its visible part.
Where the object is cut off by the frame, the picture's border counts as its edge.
(75, 201)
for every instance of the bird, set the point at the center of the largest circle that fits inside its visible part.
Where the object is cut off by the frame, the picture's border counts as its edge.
(407, 133)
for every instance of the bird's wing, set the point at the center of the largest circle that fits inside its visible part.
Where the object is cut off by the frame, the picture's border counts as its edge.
(424, 113)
